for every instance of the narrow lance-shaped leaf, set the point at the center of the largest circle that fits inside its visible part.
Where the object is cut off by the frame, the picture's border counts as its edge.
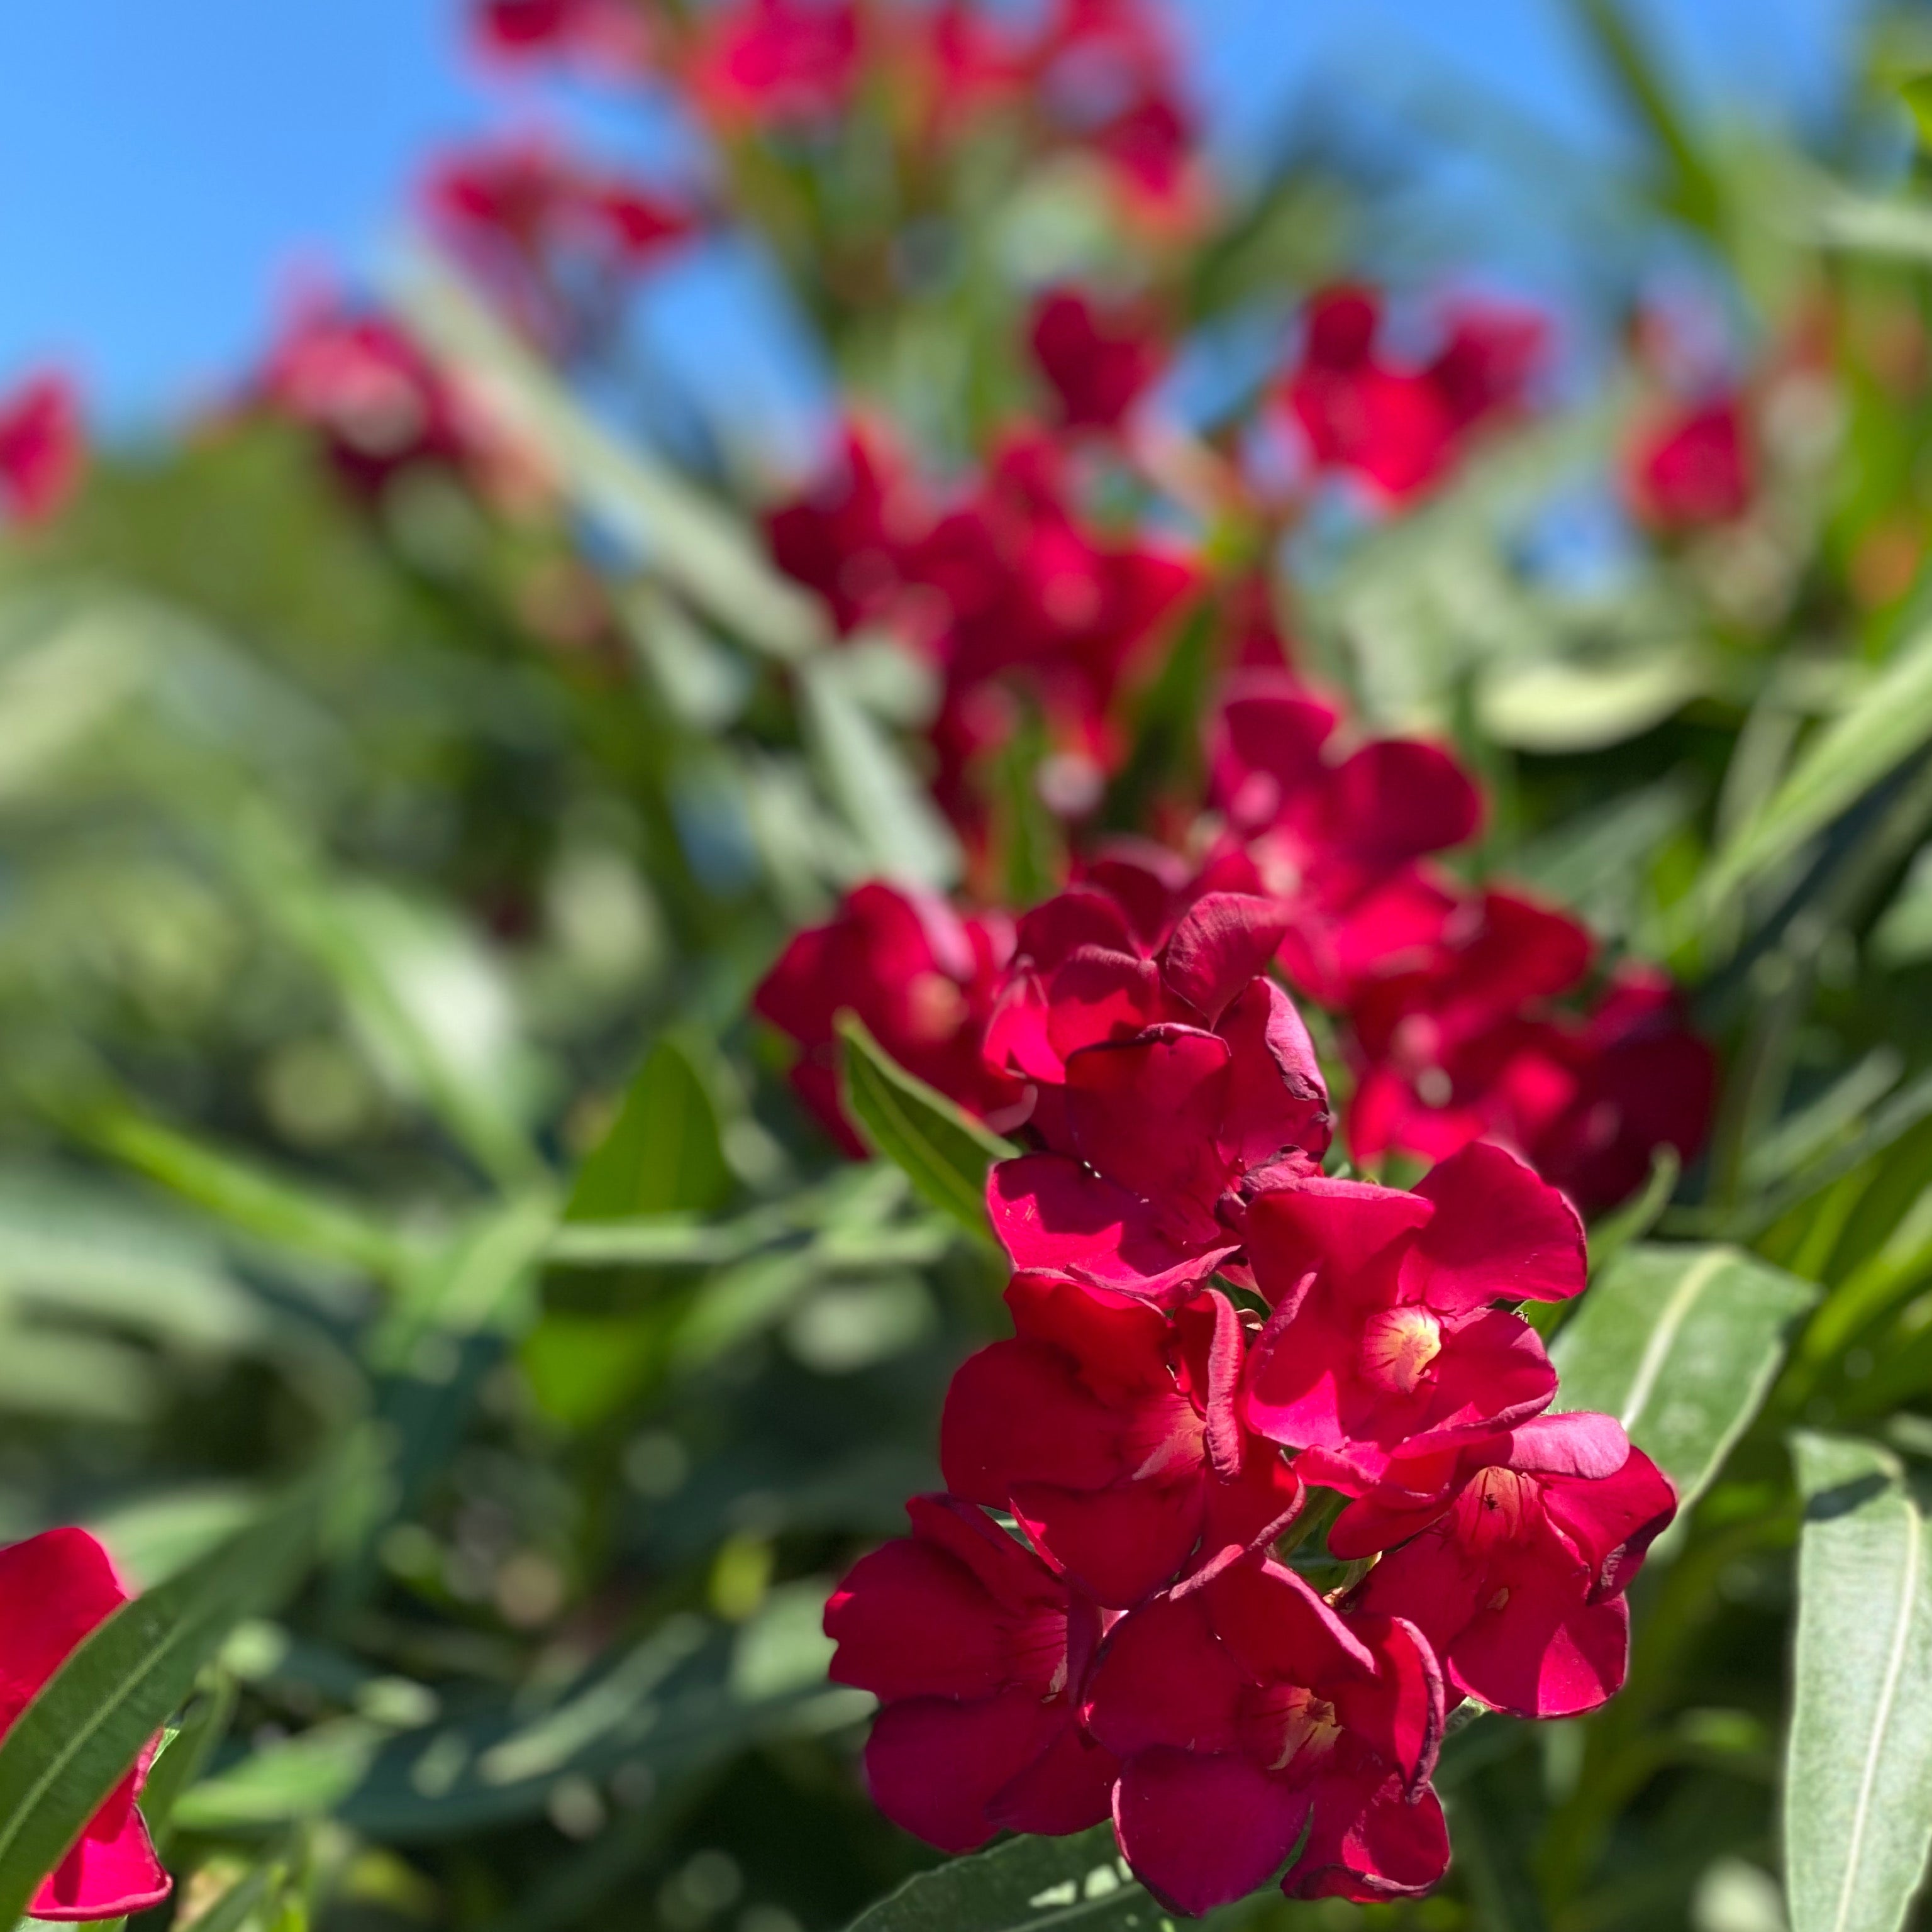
(249, 1197)
(1891, 720)
(1028, 1885)
(664, 1152)
(695, 545)
(75, 1742)
(184, 1752)
(888, 814)
(1857, 1801)
(942, 1150)
(1680, 1343)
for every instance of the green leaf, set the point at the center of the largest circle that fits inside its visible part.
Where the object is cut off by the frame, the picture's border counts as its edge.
(888, 814)
(668, 1705)
(940, 1149)
(1027, 1884)
(1858, 1800)
(429, 1001)
(242, 1900)
(664, 1152)
(695, 546)
(184, 1752)
(1689, 189)
(1560, 704)
(251, 1198)
(1916, 93)
(1680, 1342)
(74, 1742)
(1884, 725)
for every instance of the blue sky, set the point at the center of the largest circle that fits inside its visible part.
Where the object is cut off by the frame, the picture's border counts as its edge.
(170, 165)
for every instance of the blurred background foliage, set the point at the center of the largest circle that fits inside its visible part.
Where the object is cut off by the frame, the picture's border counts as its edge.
(384, 873)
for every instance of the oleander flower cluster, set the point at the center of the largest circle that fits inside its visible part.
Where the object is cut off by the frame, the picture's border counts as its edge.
(1266, 1480)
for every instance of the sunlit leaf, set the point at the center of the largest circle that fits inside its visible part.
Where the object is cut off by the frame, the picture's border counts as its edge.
(897, 830)
(692, 542)
(942, 1150)
(1890, 719)
(1556, 704)
(664, 1152)
(1680, 1343)
(1028, 1885)
(1857, 1797)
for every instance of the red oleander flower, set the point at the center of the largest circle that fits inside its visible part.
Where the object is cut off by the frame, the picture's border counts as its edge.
(1517, 1577)
(608, 33)
(1337, 840)
(1644, 1080)
(1011, 592)
(1163, 1086)
(1113, 1435)
(1693, 468)
(1401, 428)
(554, 241)
(1458, 1042)
(1106, 71)
(1023, 596)
(42, 448)
(365, 386)
(1098, 361)
(54, 1589)
(979, 1654)
(1490, 354)
(847, 535)
(919, 975)
(778, 63)
(1247, 1713)
(1384, 1327)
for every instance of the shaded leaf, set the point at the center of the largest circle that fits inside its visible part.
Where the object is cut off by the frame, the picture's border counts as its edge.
(668, 1706)
(664, 1152)
(248, 1196)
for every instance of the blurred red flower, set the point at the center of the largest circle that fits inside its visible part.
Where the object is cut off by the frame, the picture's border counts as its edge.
(1692, 468)
(554, 241)
(1098, 359)
(1401, 427)
(922, 980)
(363, 383)
(778, 63)
(42, 448)
(609, 33)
